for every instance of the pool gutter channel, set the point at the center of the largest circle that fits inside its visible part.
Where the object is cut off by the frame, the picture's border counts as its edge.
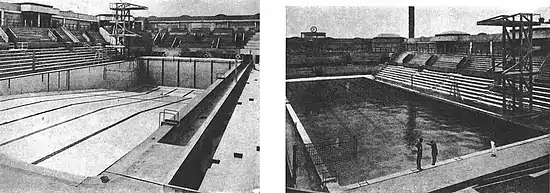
(203, 108)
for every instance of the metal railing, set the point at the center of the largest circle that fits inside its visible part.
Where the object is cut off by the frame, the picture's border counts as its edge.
(174, 120)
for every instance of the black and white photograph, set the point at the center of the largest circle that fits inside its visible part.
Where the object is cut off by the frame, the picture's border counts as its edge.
(417, 98)
(130, 96)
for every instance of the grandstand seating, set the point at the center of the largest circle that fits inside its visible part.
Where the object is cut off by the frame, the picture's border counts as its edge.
(478, 66)
(419, 59)
(253, 42)
(36, 60)
(446, 63)
(168, 41)
(64, 37)
(28, 34)
(544, 76)
(400, 57)
(96, 37)
(464, 87)
(366, 58)
(78, 35)
(226, 42)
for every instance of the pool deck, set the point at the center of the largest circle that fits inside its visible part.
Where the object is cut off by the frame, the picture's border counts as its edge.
(453, 171)
(242, 135)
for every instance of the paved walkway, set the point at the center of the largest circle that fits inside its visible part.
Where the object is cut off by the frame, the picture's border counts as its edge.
(242, 135)
(454, 171)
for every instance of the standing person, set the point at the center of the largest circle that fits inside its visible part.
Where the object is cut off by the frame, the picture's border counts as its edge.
(433, 145)
(418, 153)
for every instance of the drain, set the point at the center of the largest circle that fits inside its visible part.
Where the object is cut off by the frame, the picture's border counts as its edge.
(104, 179)
(238, 155)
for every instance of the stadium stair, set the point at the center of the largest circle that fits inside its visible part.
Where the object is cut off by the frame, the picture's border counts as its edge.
(96, 37)
(419, 59)
(254, 42)
(544, 76)
(447, 63)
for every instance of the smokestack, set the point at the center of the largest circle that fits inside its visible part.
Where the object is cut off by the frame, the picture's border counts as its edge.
(411, 21)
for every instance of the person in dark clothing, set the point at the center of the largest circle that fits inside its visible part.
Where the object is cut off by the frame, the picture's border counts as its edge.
(418, 153)
(433, 145)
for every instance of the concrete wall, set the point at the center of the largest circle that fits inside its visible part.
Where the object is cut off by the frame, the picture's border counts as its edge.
(193, 72)
(70, 79)
(320, 71)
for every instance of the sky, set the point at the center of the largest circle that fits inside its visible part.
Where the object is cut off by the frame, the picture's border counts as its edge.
(161, 8)
(367, 22)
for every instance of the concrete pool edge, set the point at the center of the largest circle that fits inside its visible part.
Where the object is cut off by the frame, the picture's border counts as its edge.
(441, 163)
(305, 138)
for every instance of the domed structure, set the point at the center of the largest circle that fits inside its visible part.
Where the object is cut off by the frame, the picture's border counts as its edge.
(452, 33)
(387, 35)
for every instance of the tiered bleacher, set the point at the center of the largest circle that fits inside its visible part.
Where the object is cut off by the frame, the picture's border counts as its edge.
(399, 58)
(253, 42)
(544, 76)
(419, 59)
(223, 38)
(96, 37)
(366, 58)
(447, 62)
(38, 60)
(78, 34)
(463, 87)
(477, 65)
(35, 37)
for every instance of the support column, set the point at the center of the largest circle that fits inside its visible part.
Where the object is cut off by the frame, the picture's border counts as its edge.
(38, 21)
(491, 47)
(471, 47)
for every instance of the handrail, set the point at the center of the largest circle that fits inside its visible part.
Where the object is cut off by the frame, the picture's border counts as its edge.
(155, 38)
(9, 30)
(4, 35)
(544, 61)
(174, 42)
(69, 34)
(52, 36)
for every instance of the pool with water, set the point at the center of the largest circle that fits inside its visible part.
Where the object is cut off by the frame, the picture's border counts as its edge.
(387, 121)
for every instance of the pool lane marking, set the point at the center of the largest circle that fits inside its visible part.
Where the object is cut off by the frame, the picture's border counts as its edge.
(58, 99)
(46, 95)
(104, 129)
(78, 103)
(74, 118)
(68, 98)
